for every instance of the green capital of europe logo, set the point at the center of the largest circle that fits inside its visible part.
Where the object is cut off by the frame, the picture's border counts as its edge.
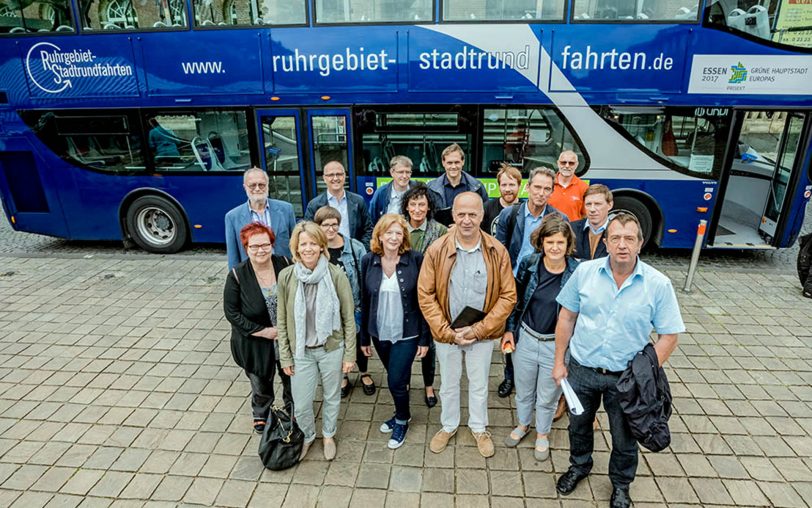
(739, 74)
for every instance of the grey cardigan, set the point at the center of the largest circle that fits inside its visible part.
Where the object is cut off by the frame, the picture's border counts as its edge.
(286, 322)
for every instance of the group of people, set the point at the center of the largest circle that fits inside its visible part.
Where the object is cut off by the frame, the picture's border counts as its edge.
(554, 278)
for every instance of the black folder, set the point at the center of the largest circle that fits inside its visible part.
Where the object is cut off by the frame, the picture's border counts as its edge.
(468, 317)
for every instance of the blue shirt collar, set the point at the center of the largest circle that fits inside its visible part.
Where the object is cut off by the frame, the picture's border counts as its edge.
(600, 229)
(528, 214)
(607, 268)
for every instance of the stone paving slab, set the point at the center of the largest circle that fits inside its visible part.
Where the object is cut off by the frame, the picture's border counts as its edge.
(117, 388)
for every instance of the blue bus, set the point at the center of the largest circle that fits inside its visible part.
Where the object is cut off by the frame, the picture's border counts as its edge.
(135, 120)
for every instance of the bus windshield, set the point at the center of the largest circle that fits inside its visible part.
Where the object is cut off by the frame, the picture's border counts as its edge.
(786, 22)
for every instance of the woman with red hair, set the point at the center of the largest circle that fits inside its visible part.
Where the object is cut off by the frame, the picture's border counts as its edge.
(249, 302)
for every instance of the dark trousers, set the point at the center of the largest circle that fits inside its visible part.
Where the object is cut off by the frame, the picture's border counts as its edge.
(808, 283)
(360, 359)
(427, 365)
(590, 386)
(397, 359)
(262, 396)
(509, 366)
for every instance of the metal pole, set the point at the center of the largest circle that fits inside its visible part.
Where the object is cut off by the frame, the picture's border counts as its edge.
(700, 234)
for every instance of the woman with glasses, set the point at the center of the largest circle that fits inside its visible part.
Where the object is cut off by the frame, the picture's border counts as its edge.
(530, 329)
(346, 253)
(390, 315)
(250, 303)
(316, 332)
(418, 207)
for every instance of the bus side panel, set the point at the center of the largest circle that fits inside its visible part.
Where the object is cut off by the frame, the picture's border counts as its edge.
(29, 204)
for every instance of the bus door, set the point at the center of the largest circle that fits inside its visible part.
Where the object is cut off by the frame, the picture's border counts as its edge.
(281, 155)
(330, 140)
(31, 204)
(761, 172)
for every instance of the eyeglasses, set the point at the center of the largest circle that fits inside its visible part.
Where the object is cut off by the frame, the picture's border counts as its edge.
(334, 176)
(260, 186)
(261, 246)
(568, 163)
(404, 172)
(334, 227)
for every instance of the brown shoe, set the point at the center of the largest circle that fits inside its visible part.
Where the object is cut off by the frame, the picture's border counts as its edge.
(484, 443)
(561, 409)
(440, 440)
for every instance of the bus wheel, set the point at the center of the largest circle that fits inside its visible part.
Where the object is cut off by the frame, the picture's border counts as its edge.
(156, 225)
(639, 210)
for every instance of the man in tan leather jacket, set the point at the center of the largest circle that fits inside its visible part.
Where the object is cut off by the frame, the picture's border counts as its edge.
(466, 268)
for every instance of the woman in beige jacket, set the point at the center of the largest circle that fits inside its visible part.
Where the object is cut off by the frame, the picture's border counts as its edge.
(316, 326)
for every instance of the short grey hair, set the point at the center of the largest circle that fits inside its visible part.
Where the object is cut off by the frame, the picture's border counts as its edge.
(400, 160)
(254, 170)
(541, 170)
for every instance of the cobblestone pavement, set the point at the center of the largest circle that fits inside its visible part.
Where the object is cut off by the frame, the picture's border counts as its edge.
(117, 388)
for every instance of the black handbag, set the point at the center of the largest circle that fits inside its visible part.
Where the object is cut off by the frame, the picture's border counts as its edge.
(281, 442)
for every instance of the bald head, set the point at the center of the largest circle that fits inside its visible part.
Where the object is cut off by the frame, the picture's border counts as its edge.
(334, 176)
(468, 212)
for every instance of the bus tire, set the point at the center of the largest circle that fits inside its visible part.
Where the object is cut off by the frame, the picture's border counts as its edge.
(156, 225)
(639, 210)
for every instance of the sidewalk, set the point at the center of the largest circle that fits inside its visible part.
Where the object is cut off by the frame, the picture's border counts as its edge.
(117, 388)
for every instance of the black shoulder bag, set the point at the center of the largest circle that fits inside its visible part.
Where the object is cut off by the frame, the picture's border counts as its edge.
(281, 442)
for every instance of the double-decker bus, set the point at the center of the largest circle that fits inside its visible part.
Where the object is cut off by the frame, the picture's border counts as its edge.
(135, 120)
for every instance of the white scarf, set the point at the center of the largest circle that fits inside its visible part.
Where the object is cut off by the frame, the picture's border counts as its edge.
(328, 308)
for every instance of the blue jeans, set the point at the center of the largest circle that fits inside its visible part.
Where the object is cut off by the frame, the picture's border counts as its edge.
(397, 358)
(590, 386)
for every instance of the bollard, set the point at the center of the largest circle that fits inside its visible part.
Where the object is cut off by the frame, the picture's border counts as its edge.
(700, 234)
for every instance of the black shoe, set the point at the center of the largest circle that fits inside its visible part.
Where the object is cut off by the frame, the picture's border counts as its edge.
(569, 480)
(369, 389)
(807, 294)
(505, 388)
(345, 389)
(431, 400)
(620, 498)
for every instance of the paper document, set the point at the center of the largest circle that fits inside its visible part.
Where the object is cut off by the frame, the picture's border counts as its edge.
(572, 400)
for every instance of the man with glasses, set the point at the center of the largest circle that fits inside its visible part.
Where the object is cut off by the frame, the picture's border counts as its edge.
(388, 198)
(277, 215)
(568, 189)
(355, 221)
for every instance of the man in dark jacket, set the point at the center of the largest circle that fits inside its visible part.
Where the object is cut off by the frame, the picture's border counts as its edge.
(453, 182)
(355, 221)
(590, 232)
(608, 310)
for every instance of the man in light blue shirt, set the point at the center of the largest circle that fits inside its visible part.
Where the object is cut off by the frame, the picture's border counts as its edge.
(609, 307)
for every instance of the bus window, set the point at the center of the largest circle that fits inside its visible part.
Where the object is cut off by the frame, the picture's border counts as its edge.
(102, 142)
(129, 15)
(329, 144)
(503, 10)
(690, 139)
(419, 136)
(783, 21)
(525, 138)
(373, 11)
(199, 141)
(635, 10)
(282, 160)
(19, 17)
(211, 13)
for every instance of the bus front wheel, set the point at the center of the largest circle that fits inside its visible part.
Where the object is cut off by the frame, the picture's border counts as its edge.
(639, 210)
(156, 225)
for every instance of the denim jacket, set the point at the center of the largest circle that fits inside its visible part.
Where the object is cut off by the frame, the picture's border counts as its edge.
(351, 257)
(526, 284)
(407, 270)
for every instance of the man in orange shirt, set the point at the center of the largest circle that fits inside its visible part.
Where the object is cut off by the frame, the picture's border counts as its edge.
(568, 189)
